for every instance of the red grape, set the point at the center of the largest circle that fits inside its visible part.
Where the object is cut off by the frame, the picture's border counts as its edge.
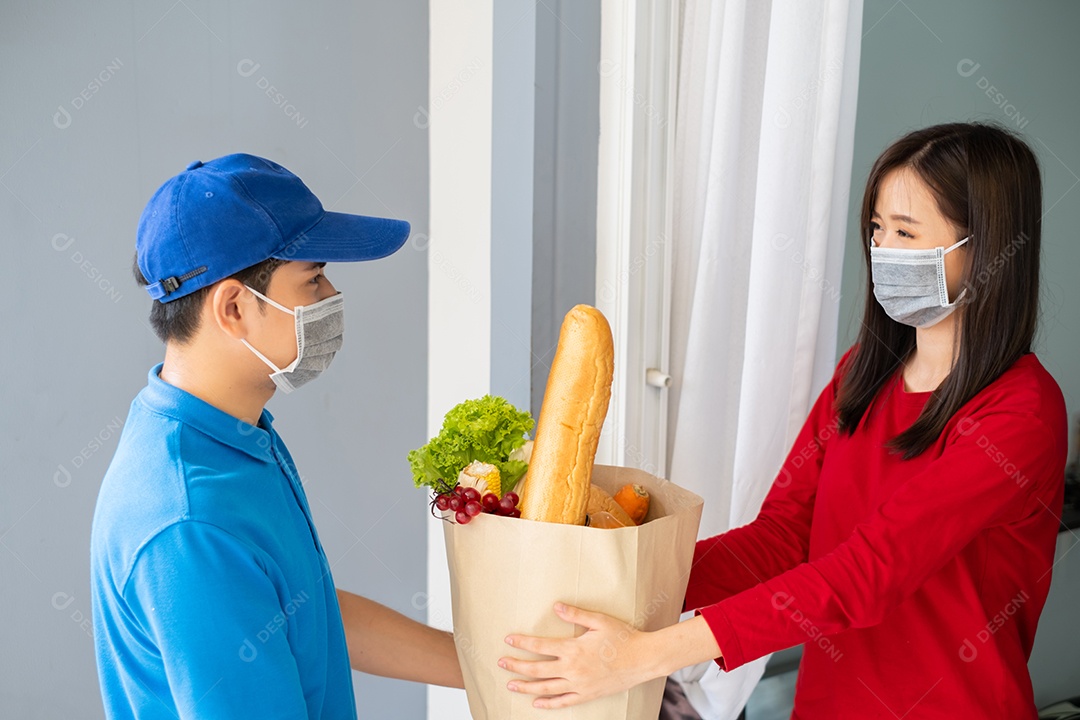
(490, 501)
(516, 513)
(513, 497)
(506, 504)
(462, 517)
(473, 508)
(455, 503)
(442, 502)
(471, 494)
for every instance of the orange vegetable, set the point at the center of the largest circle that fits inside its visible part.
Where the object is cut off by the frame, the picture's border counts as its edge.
(634, 499)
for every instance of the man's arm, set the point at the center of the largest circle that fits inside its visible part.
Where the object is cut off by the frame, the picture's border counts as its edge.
(384, 642)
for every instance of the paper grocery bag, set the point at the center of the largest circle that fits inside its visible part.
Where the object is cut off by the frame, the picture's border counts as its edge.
(507, 573)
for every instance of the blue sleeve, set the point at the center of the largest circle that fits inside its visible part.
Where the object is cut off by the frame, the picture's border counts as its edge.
(202, 597)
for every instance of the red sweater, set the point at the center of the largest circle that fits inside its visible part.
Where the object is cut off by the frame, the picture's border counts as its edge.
(915, 585)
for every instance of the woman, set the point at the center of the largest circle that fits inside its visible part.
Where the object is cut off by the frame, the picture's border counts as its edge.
(909, 537)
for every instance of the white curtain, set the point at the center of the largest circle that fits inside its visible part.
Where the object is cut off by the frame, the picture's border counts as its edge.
(766, 112)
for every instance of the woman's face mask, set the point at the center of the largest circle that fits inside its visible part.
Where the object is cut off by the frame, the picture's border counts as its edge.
(320, 328)
(911, 286)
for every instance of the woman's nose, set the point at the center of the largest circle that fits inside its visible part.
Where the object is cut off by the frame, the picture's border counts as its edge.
(880, 239)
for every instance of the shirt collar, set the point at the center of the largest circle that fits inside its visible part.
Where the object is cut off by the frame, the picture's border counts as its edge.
(255, 440)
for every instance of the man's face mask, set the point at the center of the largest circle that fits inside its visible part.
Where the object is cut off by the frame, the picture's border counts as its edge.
(319, 330)
(910, 284)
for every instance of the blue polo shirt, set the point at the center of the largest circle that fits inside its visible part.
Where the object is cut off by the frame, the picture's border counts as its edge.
(212, 596)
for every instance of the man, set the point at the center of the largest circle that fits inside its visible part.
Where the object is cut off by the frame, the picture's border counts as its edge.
(212, 596)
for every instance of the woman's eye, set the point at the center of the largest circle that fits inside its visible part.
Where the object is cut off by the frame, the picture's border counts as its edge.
(315, 280)
(903, 233)
(874, 227)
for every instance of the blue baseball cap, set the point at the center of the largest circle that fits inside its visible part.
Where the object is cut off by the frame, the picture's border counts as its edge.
(217, 218)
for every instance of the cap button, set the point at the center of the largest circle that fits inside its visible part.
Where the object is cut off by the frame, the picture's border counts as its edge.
(194, 164)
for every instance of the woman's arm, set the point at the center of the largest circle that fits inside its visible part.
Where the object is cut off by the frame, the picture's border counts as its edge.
(384, 642)
(996, 469)
(779, 538)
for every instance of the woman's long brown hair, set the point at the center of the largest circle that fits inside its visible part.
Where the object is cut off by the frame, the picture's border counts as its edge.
(986, 181)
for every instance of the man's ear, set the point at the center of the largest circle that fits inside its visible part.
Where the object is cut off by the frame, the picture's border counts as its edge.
(230, 307)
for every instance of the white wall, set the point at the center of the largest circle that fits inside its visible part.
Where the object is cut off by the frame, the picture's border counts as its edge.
(146, 88)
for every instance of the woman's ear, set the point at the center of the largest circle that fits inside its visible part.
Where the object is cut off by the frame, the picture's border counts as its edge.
(231, 306)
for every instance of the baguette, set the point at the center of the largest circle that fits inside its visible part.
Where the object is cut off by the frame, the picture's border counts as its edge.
(556, 488)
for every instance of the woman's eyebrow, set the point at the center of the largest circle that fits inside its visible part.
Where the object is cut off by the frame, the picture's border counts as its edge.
(901, 218)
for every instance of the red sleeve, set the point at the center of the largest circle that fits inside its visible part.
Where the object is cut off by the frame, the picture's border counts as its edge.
(778, 539)
(993, 470)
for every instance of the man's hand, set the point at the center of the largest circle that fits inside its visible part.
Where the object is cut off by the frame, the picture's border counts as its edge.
(611, 656)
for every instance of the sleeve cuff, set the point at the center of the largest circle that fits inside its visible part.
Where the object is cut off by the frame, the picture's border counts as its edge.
(731, 655)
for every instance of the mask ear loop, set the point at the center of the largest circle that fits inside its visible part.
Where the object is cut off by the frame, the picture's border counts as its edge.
(956, 244)
(296, 332)
(278, 305)
(943, 286)
(262, 357)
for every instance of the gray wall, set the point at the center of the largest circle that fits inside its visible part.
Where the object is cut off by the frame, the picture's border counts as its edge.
(567, 132)
(909, 78)
(145, 88)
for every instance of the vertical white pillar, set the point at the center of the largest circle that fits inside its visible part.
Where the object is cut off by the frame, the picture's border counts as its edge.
(638, 62)
(615, 209)
(480, 115)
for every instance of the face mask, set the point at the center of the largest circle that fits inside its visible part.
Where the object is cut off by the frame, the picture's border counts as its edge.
(319, 330)
(910, 284)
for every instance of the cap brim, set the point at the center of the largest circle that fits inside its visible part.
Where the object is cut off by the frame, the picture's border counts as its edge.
(341, 237)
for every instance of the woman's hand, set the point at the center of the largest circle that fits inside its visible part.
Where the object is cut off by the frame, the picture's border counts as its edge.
(610, 657)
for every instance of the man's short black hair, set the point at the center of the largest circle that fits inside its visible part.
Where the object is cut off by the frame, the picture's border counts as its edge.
(178, 320)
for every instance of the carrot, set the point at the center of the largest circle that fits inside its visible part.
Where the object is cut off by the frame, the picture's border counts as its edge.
(634, 499)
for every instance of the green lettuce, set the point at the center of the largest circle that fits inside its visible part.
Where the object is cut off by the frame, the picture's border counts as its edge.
(487, 429)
